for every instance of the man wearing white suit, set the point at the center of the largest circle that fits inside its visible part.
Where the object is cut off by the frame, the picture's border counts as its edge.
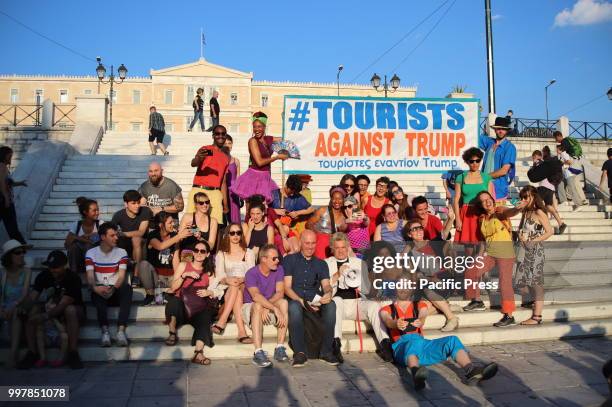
(350, 283)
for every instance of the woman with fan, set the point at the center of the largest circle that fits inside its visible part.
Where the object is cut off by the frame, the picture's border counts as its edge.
(195, 301)
(258, 179)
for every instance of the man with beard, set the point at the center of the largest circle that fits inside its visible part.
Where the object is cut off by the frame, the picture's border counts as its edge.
(160, 193)
(499, 159)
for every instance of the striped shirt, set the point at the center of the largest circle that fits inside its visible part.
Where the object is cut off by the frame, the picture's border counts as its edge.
(156, 121)
(106, 266)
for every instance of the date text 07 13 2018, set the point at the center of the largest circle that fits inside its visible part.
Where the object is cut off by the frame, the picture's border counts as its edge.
(34, 393)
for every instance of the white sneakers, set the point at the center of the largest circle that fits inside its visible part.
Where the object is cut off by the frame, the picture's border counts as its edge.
(451, 325)
(121, 339)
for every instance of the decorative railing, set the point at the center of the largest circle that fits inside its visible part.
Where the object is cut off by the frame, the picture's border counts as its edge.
(20, 115)
(64, 115)
(544, 128)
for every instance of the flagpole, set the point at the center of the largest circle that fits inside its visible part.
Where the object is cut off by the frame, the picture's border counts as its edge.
(201, 43)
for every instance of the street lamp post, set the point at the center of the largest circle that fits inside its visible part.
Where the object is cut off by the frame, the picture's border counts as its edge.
(340, 68)
(609, 93)
(546, 98)
(101, 71)
(395, 83)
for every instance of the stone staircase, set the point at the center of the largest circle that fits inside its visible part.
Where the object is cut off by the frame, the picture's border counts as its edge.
(578, 273)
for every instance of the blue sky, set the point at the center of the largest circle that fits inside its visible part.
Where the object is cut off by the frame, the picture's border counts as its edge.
(306, 41)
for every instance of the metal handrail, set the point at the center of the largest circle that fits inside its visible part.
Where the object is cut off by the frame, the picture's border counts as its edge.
(522, 127)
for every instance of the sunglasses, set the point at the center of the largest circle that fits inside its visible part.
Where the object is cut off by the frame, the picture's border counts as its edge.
(19, 252)
(200, 251)
(349, 206)
(416, 229)
(397, 192)
(275, 258)
(474, 161)
(235, 233)
(203, 202)
(348, 185)
(216, 133)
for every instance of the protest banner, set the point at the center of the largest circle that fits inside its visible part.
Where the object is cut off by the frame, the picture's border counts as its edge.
(378, 135)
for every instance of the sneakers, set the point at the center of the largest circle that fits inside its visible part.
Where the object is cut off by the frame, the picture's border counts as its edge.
(136, 283)
(336, 349)
(475, 305)
(74, 360)
(420, 377)
(28, 361)
(506, 320)
(299, 359)
(330, 359)
(149, 300)
(280, 354)
(122, 339)
(562, 228)
(105, 341)
(451, 325)
(386, 351)
(260, 359)
(481, 373)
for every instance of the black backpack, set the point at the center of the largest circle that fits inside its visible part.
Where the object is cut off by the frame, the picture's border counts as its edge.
(313, 333)
(551, 169)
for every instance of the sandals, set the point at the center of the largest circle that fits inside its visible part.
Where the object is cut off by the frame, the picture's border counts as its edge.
(527, 305)
(534, 320)
(218, 330)
(245, 340)
(204, 361)
(172, 339)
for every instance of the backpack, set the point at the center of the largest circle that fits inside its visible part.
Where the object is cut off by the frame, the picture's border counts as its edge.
(314, 330)
(555, 171)
(573, 147)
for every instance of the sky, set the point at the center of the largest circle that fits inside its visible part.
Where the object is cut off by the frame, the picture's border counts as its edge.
(534, 42)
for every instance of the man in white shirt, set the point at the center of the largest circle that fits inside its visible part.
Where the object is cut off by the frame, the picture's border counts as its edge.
(571, 188)
(106, 267)
(349, 280)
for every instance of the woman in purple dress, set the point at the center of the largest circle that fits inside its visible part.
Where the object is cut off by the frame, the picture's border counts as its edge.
(258, 179)
(233, 172)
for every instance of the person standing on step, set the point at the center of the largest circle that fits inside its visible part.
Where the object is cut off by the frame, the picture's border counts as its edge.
(8, 216)
(215, 110)
(350, 283)
(233, 172)
(106, 267)
(405, 319)
(198, 110)
(83, 234)
(571, 184)
(211, 163)
(64, 288)
(157, 131)
(499, 159)
(133, 222)
(305, 277)
(160, 193)
(546, 189)
(606, 172)
(264, 304)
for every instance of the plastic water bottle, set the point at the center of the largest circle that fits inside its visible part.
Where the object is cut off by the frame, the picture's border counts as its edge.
(159, 293)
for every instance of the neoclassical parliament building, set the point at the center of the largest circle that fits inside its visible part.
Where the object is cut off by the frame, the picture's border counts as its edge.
(172, 91)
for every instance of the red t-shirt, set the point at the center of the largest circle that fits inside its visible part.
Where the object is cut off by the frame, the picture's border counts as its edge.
(433, 228)
(409, 313)
(213, 168)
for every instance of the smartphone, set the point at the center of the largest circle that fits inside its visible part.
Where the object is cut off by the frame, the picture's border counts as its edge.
(205, 152)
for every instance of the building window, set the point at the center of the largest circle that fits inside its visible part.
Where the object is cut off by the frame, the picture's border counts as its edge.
(63, 96)
(38, 96)
(234, 128)
(136, 126)
(113, 126)
(168, 97)
(87, 92)
(189, 94)
(264, 100)
(136, 97)
(233, 99)
(114, 96)
(14, 95)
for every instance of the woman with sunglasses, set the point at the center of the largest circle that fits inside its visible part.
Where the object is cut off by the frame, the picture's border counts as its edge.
(199, 273)
(258, 179)
(401, 202)
(375, 202)
(534, 228)
(14, 289)
(349, 183)
(257, 231)
(391, 228)
(232, 262)
(328, 220)
(203, 227)
(356, 226)
(419, 247)
(467, 186)
(497, 251)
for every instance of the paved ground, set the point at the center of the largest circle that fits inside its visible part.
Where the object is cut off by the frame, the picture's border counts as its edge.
(559, 373)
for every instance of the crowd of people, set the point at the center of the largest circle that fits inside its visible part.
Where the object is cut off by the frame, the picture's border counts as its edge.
(302, 269)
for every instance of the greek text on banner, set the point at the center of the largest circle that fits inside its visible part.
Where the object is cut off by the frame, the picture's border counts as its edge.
(378, 135)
